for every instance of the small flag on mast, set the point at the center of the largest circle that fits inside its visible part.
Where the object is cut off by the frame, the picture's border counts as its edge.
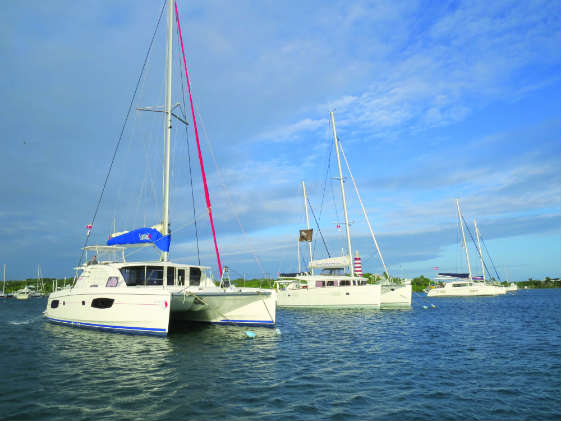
(306, 235)
(89, 228)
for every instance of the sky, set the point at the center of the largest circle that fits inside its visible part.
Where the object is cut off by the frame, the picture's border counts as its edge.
(433, 102)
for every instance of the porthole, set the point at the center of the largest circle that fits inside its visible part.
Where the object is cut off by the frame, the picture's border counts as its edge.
(54, 304)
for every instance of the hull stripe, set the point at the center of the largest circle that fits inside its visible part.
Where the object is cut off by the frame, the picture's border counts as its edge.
(129, 328)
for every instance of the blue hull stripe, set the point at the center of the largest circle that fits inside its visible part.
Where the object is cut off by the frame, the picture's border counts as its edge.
(255, 322)
(95, 325)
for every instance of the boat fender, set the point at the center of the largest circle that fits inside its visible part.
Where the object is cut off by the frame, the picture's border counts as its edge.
(425, 307)
(250, 334)
(278, 331)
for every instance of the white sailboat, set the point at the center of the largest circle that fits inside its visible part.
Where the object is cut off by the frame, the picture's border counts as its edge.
(461, 284)
(337, 285)
(149, 297)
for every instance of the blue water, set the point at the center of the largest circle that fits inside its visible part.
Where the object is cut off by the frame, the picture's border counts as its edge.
(494, 358)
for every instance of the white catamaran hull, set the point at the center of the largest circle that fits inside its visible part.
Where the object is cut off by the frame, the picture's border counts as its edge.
(245, 306)
(340, 296)
(396, 296)
(134, 310)
(464, 291)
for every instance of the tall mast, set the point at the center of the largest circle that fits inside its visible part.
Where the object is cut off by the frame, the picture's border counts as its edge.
(464, 237)
(349, 250)
(479, 247)
(167, 140)
(4, 285)
(307, 220)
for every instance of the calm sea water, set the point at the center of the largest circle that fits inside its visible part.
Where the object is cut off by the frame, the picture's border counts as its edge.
(493, 358)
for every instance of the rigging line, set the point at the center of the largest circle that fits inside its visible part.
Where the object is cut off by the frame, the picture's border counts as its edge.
(324, 185)
(364, 210)
(317, 224)
(207, 197)
(477, 248)
(184, 114)
(221, 177)
(493, 263)
(122, 131)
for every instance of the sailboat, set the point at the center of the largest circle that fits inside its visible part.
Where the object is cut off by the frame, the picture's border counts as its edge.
(461, 284)
(337, 284)
(151, 297)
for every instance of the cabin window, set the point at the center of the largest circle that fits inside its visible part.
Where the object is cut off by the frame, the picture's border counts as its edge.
(180, 276)
(331, 283)
(112, 281)
(195, 276)
(320, 284)
(459, 285)
(54, 304)
(345, 283)
(171, 275)
(154, 275)
(102, 302)
(134, 275)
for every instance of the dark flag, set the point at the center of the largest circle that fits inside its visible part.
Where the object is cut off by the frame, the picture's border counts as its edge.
(306, 235)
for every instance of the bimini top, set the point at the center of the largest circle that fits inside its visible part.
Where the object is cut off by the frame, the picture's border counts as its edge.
(141, 236)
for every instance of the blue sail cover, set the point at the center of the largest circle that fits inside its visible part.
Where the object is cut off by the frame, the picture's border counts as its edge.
(455, 275)
(140, 236)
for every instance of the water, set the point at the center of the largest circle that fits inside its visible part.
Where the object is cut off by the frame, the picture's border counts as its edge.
(494, 358)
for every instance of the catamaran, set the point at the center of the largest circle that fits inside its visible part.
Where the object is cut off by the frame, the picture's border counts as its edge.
(337, 285)
(462, 284)
(150, 297)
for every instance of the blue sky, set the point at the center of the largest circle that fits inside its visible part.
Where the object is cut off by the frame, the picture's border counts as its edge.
(433, 101)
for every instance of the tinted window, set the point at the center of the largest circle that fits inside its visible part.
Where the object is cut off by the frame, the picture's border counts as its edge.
(154, 275)
(112, 281)
(54, 304)
(102, 302)
(171, 275)
(194, 276)
(180, 276)
(133, 275)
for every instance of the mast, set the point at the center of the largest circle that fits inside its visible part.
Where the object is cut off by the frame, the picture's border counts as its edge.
(349, 250)
(479, 247)
(167, 138)
(4, 285)
(464, 237)
(307, 221)
(298, 255)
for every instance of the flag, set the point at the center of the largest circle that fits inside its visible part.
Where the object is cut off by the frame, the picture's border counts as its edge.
(89, 228)
(306, 235)
(435, 268)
